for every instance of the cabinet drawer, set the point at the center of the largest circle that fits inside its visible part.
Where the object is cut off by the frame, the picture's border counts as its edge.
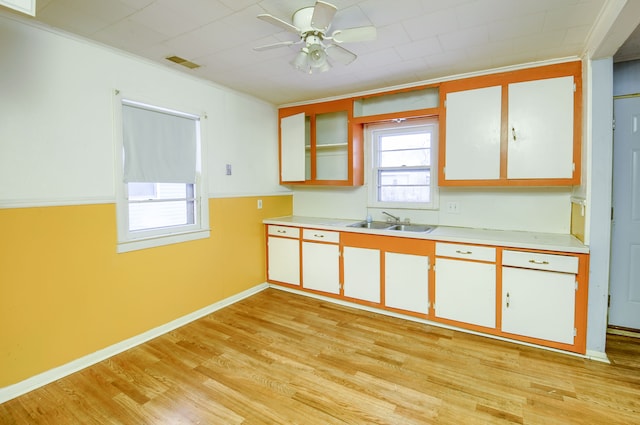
(467, 252)
(537, 261)
(288, 232)
(321, 235)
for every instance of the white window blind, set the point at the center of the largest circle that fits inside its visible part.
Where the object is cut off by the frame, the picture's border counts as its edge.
(159, 146)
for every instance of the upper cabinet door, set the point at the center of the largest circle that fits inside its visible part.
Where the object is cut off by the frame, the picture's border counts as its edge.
(473, 134)
(292, 148)
(541, 129)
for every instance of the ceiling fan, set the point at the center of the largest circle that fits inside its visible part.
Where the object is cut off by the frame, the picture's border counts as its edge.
(311, 24)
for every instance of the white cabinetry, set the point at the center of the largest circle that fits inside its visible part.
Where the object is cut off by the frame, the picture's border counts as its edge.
(473, 134)
(538, 295)
(361, 273)
(321, 260)
(465, 284)
(512, 129)
(407, 282)
(283, 245)
(541, 129)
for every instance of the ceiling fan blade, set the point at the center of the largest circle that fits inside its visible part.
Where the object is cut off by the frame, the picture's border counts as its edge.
(275, 45)
(351, 35)
(278, 22)
(340, 54)
(323, 14)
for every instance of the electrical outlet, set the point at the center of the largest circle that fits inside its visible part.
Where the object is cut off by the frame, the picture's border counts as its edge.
(259, 204)
(453, 207)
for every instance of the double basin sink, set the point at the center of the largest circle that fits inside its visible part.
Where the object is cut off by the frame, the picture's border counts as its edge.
(381, 225)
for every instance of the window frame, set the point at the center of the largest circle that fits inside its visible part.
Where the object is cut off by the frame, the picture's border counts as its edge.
(372, 167)
(142, 239)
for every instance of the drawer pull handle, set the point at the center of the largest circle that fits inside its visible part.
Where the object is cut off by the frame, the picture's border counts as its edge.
(318, 236)
(538, 262)
(281, 231)
(508, 301)
(464, 252)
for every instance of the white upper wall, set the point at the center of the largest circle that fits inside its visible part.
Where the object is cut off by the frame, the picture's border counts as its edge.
(56, 120)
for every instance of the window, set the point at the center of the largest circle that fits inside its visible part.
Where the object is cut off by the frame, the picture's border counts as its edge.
(403, 164)
(160, 198)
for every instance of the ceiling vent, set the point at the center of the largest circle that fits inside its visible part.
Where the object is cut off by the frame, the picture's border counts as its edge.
(183, 62)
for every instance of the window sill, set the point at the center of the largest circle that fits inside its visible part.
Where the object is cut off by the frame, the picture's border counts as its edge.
(155, 241)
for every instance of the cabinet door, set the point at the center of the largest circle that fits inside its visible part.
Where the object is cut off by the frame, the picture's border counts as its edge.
(407, 282)
(473, 128)
(466, 292)
(284, 260)
(541, 129)
(292, 148)
(320, 267)
(362, 273)
(538, 304)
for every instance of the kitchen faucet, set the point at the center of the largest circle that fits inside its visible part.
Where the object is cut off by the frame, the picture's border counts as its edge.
(397, 219)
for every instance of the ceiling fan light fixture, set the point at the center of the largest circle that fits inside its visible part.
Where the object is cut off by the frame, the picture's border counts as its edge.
(301, 61)
(317, 56)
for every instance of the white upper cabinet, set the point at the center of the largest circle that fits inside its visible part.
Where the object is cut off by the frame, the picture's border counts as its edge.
(473, 134)
(541, 129)
(292, 148)
(518, 128)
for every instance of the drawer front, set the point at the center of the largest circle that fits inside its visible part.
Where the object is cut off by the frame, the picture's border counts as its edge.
(287, 232)
(537, 261)
(320, 235)
(467, 252)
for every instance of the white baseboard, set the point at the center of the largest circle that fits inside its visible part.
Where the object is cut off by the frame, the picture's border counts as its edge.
(598, 356)
(37, 381)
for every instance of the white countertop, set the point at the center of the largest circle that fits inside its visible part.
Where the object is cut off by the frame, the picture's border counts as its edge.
(505, 238)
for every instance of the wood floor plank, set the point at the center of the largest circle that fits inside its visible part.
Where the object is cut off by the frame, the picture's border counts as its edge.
(281, 358)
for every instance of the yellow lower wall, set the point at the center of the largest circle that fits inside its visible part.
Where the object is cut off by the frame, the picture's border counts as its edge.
(66, 293)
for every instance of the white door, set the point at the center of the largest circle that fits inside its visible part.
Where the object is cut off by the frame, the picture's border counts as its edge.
(541, 129)
(539, 304)
(466, 292)
(320, 267)
(292, 149)
(406, 282)
(362, 273)
(473, 134)
(284, 260)
(625, 240)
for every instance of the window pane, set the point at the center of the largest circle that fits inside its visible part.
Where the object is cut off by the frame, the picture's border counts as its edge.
(155, 213)
(405, 158)
(404, 186)
(152, 215)
(405, 194)
(411, 149)
(405, 141)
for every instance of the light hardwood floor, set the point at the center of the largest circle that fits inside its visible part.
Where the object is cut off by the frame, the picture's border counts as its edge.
(280, 358)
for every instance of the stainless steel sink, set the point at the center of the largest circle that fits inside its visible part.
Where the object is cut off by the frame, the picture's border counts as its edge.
(370, 225)
(421, 228)
(381, 225)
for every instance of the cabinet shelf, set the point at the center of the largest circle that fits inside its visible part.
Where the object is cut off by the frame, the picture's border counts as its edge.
(329, 146)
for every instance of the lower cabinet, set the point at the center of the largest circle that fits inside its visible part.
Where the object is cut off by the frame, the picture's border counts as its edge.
(361, 273)
(321, 261)
(465, 285)
(283, 253)
(539, 295)
(406, 282)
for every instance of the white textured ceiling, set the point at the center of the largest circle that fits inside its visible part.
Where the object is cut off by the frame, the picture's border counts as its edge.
(417, 39)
